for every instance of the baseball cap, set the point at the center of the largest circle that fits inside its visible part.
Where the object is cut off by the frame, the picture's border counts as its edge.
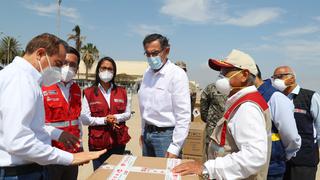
(236, 59)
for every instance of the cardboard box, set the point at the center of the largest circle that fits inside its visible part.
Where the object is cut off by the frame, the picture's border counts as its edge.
(195, 142)
(201, 159)
(138, 168)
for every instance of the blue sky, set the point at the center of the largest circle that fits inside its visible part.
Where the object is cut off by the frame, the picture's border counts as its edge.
(273, 32)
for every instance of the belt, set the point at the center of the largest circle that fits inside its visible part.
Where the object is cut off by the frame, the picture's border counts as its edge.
(63, 124)
(22, 169)
(275, 137)
(152, 128)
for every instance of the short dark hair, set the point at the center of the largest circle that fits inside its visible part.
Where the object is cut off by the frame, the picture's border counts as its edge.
(72, 50)
(259, 72)
(164, 42)
(47, 41)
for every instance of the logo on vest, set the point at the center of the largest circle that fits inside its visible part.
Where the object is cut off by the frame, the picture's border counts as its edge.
(302, 111)
(119, 100)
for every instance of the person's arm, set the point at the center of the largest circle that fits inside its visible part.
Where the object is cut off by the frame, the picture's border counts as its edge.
(182, 112)
(21, 140)
(250, 135)
(204, 104)
(315, 112)
(86, 117)
(126, 115)
(282, 111)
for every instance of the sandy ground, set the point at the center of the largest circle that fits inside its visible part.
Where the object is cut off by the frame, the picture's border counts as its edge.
(134, 125)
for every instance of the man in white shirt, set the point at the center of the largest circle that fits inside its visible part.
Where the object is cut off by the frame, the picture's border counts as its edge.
(241, 141)
(164, 101)
(25, 142)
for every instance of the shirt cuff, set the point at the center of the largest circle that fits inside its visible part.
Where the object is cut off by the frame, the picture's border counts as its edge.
(210, 167)
(173, 149)
(66, 158)
(56, 133)
(100, 121)
(117, 116)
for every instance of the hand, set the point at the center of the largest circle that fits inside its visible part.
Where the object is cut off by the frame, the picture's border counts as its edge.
(110, 119)
(85, 157)
(170, 155)
(187, 168)
(69, 141)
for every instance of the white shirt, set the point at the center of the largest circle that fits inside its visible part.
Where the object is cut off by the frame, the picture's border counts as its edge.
(23, 137)
(86, 117)
(164, 101)
(248, 128)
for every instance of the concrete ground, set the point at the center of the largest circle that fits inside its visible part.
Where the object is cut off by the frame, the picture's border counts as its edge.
(134, 125)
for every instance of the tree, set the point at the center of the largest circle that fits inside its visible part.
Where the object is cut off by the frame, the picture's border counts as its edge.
(90, 53)
(76, 37)
(9, 48)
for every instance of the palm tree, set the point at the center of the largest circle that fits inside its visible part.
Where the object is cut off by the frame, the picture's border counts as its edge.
(76, 37)
(9, 48)
(90, 53)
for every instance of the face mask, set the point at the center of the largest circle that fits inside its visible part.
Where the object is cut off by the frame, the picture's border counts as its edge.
(67, 73)
(223, 84)
(279, 84)
(50, 75)
(155, 62)
(106, 76)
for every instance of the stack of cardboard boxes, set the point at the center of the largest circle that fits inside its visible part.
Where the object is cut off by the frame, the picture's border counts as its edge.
(194, 146)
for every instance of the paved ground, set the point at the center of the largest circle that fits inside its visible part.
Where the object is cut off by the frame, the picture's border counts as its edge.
(135, 127)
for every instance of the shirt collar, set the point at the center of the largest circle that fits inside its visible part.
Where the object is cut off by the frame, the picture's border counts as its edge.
(26, 66)
(102, 89)
(239, 94)
(296, 90)
(68, 85)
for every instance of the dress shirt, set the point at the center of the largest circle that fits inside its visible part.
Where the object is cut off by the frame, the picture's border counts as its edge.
(314, 110)
(87, 119)
(23, 137)
(65, 89)
(164, 101)
(282, 115)
(248, 128)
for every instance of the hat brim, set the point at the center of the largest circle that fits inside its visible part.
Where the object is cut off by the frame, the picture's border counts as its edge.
(216, 64)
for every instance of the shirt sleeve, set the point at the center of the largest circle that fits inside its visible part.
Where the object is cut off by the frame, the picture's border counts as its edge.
(54, 133)
(182, 112)
(20, 140)
(250, 135)
(126, 115)
(282, 111)
(86, 117)
(315, 112)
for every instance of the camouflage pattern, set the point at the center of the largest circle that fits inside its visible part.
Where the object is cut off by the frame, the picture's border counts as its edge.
(212, 105)
(193, 96)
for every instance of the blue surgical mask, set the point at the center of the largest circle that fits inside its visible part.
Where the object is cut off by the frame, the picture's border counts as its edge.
(155, 62)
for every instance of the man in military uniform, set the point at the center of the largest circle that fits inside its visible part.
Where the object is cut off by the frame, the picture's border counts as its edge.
(212, 105)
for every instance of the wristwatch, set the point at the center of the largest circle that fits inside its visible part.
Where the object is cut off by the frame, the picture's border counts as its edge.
(205, 174)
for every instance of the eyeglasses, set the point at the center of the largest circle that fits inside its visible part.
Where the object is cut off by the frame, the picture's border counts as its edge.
(280, 76)
(152, 54)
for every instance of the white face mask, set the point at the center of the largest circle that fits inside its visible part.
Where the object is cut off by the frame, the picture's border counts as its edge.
(67, 73)
(106, 76)
(223, 84)
(50, 75)
(279, 84)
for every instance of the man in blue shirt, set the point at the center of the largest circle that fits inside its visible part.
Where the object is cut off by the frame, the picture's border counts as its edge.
(285, 138)
(307, 116)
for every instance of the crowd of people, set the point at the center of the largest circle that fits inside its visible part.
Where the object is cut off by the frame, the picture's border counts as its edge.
(256, 129)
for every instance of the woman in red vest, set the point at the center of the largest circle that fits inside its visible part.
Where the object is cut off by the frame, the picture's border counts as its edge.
(105, 109)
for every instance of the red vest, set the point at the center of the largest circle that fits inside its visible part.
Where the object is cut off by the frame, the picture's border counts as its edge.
(107, 136)
(62, 114)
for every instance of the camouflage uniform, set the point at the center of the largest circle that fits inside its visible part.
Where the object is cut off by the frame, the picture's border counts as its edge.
(193, 96)
(212, 104)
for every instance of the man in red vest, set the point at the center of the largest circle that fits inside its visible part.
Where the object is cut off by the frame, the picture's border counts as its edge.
(62, 102)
